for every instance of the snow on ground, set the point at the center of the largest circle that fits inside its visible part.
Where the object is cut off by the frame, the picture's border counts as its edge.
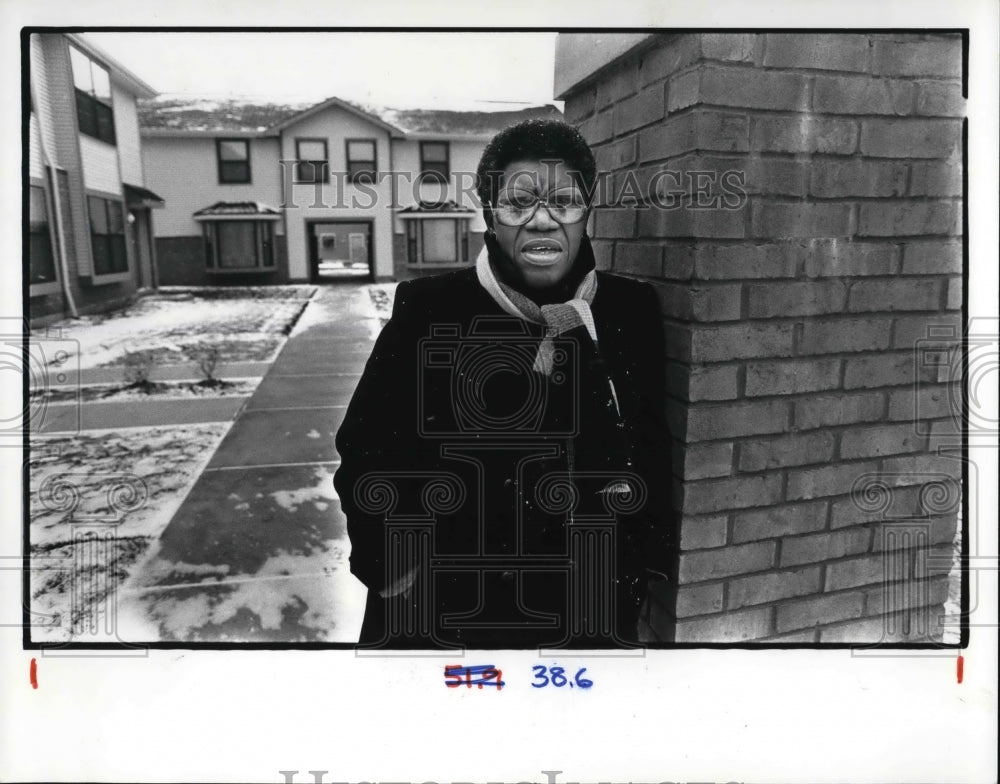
(382, 296)
(320, 494)
(317, 589)
(320, 310)
(173, 323)
(121, 487)
(157, 390)
(308, 589)
(371, 301)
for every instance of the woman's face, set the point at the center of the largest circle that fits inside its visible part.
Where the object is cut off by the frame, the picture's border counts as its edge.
(543, 250)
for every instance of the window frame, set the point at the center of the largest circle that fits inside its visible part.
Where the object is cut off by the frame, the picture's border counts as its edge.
(365, 176)
(110, 275)
(414, 239)
(219, 161)
(98, 107)
(426, 169)
(263, 238)
(324, 169)
(38, 288)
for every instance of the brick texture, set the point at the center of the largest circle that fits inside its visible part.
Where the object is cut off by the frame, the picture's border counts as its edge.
(831, 52)
(862, 95)
(793, 302)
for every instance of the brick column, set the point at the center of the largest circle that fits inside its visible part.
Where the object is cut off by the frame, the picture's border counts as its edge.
(796, 294)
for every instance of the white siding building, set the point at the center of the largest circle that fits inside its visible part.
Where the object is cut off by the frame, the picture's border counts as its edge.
(90, 225)
(345, 190)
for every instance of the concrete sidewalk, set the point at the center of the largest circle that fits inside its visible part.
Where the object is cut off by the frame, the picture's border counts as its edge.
(257, 552)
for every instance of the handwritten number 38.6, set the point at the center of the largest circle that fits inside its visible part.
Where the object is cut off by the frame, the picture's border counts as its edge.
(557, 677)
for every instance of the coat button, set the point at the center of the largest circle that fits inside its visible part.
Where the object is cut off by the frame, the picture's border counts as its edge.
(508, 482)
(507, 576)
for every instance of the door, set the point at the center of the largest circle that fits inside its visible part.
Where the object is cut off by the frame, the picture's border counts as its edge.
(141, 245)
(340, 251)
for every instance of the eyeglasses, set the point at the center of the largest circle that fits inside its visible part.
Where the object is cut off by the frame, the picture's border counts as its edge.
(519, 207)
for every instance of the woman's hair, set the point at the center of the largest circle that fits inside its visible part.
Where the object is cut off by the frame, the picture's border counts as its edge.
(533, 140)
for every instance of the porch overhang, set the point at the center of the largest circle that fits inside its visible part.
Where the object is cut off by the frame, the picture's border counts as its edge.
(432, 209)
(238, 211)
(137, 197)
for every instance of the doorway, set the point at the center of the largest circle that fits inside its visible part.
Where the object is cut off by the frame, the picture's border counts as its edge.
(340, 250)
(142, 246)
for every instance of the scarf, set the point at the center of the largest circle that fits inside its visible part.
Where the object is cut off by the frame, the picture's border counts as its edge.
(557, 318)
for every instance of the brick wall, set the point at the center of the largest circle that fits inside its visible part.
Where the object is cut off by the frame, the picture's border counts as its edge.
(810, 493)
(181, 262)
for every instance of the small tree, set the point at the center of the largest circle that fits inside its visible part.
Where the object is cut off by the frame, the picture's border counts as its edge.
(138, 366)
(207, 356)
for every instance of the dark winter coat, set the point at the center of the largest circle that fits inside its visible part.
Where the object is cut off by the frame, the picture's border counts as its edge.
(494, 479)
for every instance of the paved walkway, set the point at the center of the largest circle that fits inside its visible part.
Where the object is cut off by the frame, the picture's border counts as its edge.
(258, 550)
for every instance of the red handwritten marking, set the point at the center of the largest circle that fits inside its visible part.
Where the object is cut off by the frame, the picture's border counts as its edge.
(961, 667)
(33, 674)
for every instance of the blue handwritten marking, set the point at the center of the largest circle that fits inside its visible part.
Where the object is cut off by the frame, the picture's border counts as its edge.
(557, 677)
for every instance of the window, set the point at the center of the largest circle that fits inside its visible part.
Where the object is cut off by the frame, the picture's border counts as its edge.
(233, 156)
(92, 85)
(107, 235)
(41, 259)
(361, 160)
(434, 161)
(312, 163)
(437, 241)
(238, 246)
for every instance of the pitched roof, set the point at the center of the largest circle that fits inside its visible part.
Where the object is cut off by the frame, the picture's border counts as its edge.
(417, 122)
(187, 115)
(243, 208)
(340, 104)
(203, 115)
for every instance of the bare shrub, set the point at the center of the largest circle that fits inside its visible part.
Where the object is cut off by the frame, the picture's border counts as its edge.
(207, 356)
(138, 366)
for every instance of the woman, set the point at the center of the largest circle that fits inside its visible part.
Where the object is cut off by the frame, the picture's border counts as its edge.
(505, 464)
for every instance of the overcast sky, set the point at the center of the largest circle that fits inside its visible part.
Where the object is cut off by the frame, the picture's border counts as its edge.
(404, 70)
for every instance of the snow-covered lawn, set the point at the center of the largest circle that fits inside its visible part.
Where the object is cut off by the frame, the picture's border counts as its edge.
(175, 324)
(236, 387)
(97, 500)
